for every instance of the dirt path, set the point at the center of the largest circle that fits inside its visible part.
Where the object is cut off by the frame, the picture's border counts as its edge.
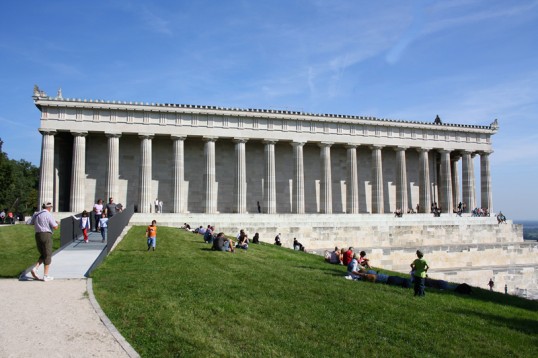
(52, 319)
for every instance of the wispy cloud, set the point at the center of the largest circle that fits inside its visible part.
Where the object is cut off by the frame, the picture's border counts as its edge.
(450, 14)
(155, 22)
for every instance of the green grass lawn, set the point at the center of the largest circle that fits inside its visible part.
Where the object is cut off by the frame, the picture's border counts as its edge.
(19, 249)
(186, 300)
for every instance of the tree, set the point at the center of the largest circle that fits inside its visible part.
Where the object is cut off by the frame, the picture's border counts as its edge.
(19, 182)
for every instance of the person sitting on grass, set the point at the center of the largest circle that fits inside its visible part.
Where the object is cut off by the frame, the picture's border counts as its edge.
(297, 246)
(186, 227)
(363, 261)
(333, 257)
(228, 244)
(218, 242)
(277, 240)
(208, 235)
(256, 238)
(353, 269)
(348, 256)
(242, 243)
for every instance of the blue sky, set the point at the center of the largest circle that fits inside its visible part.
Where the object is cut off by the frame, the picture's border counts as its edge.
(467, 61)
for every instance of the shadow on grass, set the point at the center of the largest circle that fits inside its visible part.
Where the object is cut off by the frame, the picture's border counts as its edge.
(502, 299)
(526, 326)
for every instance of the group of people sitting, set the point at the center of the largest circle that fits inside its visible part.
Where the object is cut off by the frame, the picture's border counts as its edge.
(346, 257)
(480, 212)
(221, 242)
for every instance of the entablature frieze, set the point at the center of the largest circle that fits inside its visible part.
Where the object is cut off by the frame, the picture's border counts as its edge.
(164, 114)
(194, 121)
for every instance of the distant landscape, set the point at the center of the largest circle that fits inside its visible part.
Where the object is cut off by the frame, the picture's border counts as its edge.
(530, 229)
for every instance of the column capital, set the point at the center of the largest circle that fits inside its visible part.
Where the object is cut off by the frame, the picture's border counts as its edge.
(112, 135)
(47, 131)
(79, 133)
(210, 138)
(240, 140)
(444, 150)
(178, 137)
(484, 153)
(351, 146)
(420, 150)
(146, 135)
(376, 146)
(464, 151)
(269, 141)
(401, 148)
(298, 144)
(325, 144)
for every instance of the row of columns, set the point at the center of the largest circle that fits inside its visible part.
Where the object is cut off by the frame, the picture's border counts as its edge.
(449, 190)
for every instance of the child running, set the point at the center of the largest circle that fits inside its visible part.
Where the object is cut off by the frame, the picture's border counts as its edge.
(151, 234)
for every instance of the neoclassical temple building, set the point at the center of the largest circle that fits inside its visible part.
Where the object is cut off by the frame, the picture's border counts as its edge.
(207, 159)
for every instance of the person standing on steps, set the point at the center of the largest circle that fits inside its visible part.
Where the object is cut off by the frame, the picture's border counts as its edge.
(44, 225)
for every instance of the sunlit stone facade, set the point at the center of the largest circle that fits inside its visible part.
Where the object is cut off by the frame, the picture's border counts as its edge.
(206, 159)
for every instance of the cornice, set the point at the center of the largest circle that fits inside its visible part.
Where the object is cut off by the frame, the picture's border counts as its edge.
(251, 113)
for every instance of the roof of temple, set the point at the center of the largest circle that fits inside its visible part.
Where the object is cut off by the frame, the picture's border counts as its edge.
(40, 96)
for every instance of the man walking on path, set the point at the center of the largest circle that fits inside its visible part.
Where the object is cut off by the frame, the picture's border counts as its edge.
(44, 225)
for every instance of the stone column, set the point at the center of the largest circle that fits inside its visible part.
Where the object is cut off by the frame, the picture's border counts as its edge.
(46, 170)
(377, 181)
(486, 197)
(298, 177)
(240, 184)
(269, 200)
(455, 181)
(326, 192)
(113, 166)
(210, 176)
(401, 179)
(446, 199)
(468, 181)
(352, 190)
(179, 174)
(424, 181)
(78, 173)
(145, 203)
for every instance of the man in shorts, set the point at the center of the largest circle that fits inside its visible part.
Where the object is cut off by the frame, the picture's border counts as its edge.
(44, 225)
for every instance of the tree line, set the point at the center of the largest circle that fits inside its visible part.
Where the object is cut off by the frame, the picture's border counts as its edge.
(19, 183)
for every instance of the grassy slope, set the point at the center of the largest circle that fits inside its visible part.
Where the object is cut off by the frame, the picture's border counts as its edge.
(19, 249)
(185, 300)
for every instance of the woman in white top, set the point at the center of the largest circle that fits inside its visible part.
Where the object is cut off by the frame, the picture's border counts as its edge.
(97, 211)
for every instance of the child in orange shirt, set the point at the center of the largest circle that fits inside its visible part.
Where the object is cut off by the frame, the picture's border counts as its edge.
(151, 234)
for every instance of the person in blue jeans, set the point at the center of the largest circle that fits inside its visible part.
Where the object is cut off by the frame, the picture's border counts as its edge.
(420, 268)
(103, 225)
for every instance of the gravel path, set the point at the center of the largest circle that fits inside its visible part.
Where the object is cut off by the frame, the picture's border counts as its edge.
(53, 319)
